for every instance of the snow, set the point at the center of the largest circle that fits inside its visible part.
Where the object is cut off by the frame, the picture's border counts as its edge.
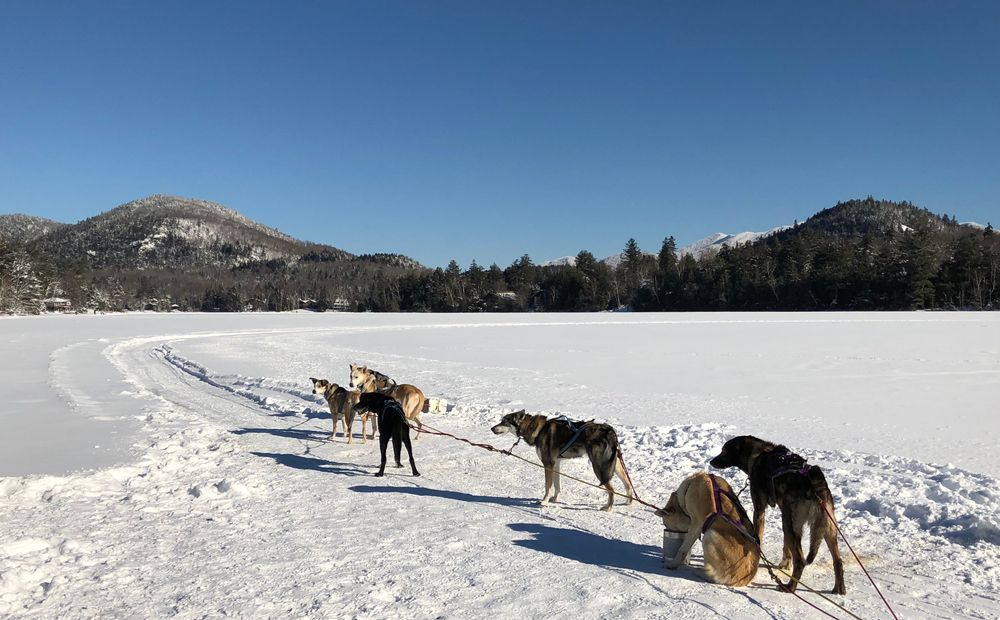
(715, 242)
(562, 261)
(214, 492)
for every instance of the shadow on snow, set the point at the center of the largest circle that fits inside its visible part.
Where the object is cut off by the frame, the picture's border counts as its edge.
(298, 461)
(453, 495)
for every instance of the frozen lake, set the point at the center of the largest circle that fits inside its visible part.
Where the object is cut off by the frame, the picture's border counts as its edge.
(145, 456)
(919, 385)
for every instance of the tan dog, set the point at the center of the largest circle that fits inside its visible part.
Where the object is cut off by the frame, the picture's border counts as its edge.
(731, 557)
(341, 402)
(409, 396)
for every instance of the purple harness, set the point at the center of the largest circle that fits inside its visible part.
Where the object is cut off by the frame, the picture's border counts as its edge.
(744, 525)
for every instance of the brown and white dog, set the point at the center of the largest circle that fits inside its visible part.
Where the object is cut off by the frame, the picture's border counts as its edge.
(410, 398)
(341, 402)
(782, 478)
(731, 557)
(555, 439)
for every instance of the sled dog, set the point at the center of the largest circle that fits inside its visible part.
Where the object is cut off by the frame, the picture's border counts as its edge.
(560, 438)
(409, 396)
(391, 425)
(781, 478)
(382, 382)
(705, 505)
(341, 403)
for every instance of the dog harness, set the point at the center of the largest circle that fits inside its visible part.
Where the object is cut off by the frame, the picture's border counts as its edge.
(389, 381)
(392, 404)
(577, 431)
(744, 525)
(780, 462)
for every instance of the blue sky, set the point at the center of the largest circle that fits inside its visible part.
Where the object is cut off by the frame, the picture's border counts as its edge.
(487, 130)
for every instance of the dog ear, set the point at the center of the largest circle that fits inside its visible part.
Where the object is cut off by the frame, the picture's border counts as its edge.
(313, 380)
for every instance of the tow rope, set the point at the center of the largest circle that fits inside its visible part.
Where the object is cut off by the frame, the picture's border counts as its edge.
(770, 566)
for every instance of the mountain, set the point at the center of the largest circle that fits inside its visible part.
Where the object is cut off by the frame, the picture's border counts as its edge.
(562, 261)
(714, 243)
(856, 218)
(175, 232)
(20, 228)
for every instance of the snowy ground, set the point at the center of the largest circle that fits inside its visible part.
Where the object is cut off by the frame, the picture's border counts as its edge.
(212, 489)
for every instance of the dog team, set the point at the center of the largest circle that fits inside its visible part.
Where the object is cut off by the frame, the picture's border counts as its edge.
(703, 506)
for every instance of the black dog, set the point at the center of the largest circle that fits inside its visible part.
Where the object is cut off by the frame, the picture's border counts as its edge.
(782, 478)
(391, 423)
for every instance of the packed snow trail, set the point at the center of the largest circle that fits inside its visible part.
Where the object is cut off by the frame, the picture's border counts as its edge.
(238, 505)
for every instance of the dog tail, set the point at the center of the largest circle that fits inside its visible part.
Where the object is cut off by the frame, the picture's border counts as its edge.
(819, 486)
(730, 558)
(426, 407)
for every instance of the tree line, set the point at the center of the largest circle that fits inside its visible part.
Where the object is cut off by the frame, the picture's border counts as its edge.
(935, 265)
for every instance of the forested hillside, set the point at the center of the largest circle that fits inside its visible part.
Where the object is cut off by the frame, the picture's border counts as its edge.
(164, 253)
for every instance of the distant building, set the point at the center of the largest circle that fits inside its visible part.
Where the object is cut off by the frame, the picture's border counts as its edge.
(57, 304)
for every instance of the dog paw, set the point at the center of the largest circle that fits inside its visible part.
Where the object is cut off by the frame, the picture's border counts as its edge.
(379, 474)
(671, 565)
(840, 590)
(786, 587)
(416, 474)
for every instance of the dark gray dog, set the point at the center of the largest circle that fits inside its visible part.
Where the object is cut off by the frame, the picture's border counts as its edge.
(782, 478)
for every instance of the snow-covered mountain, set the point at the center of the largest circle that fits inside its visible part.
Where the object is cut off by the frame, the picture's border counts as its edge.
(714, 243)
(170, 231)
(20, 228)
(562, 261)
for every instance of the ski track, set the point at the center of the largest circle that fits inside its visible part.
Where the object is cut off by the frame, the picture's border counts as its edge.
(237, 505)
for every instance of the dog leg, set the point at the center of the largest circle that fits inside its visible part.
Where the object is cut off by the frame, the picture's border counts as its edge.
(409, 452)
(555, 481)
(364, 433)
(397, 443)
(620, 471)
(420, 425)
(685, 549)
(611, 496)
(383, 444)
(792, 528)
(786, 558)
(759, 506)
(548, 483)
(830, 536)
(348, 420)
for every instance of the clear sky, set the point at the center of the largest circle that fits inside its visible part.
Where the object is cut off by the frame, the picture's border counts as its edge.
(491, 129)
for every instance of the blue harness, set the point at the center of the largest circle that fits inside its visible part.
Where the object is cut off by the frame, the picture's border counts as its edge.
(577, 431)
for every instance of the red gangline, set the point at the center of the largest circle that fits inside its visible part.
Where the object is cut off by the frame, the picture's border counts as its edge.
(867, 574)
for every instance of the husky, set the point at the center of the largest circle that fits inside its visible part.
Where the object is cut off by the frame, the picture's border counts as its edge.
(559, 438)
(705, 505)
(781, 478)
(391, 425)
(359, 373)
(341, 403)
(409, 396)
